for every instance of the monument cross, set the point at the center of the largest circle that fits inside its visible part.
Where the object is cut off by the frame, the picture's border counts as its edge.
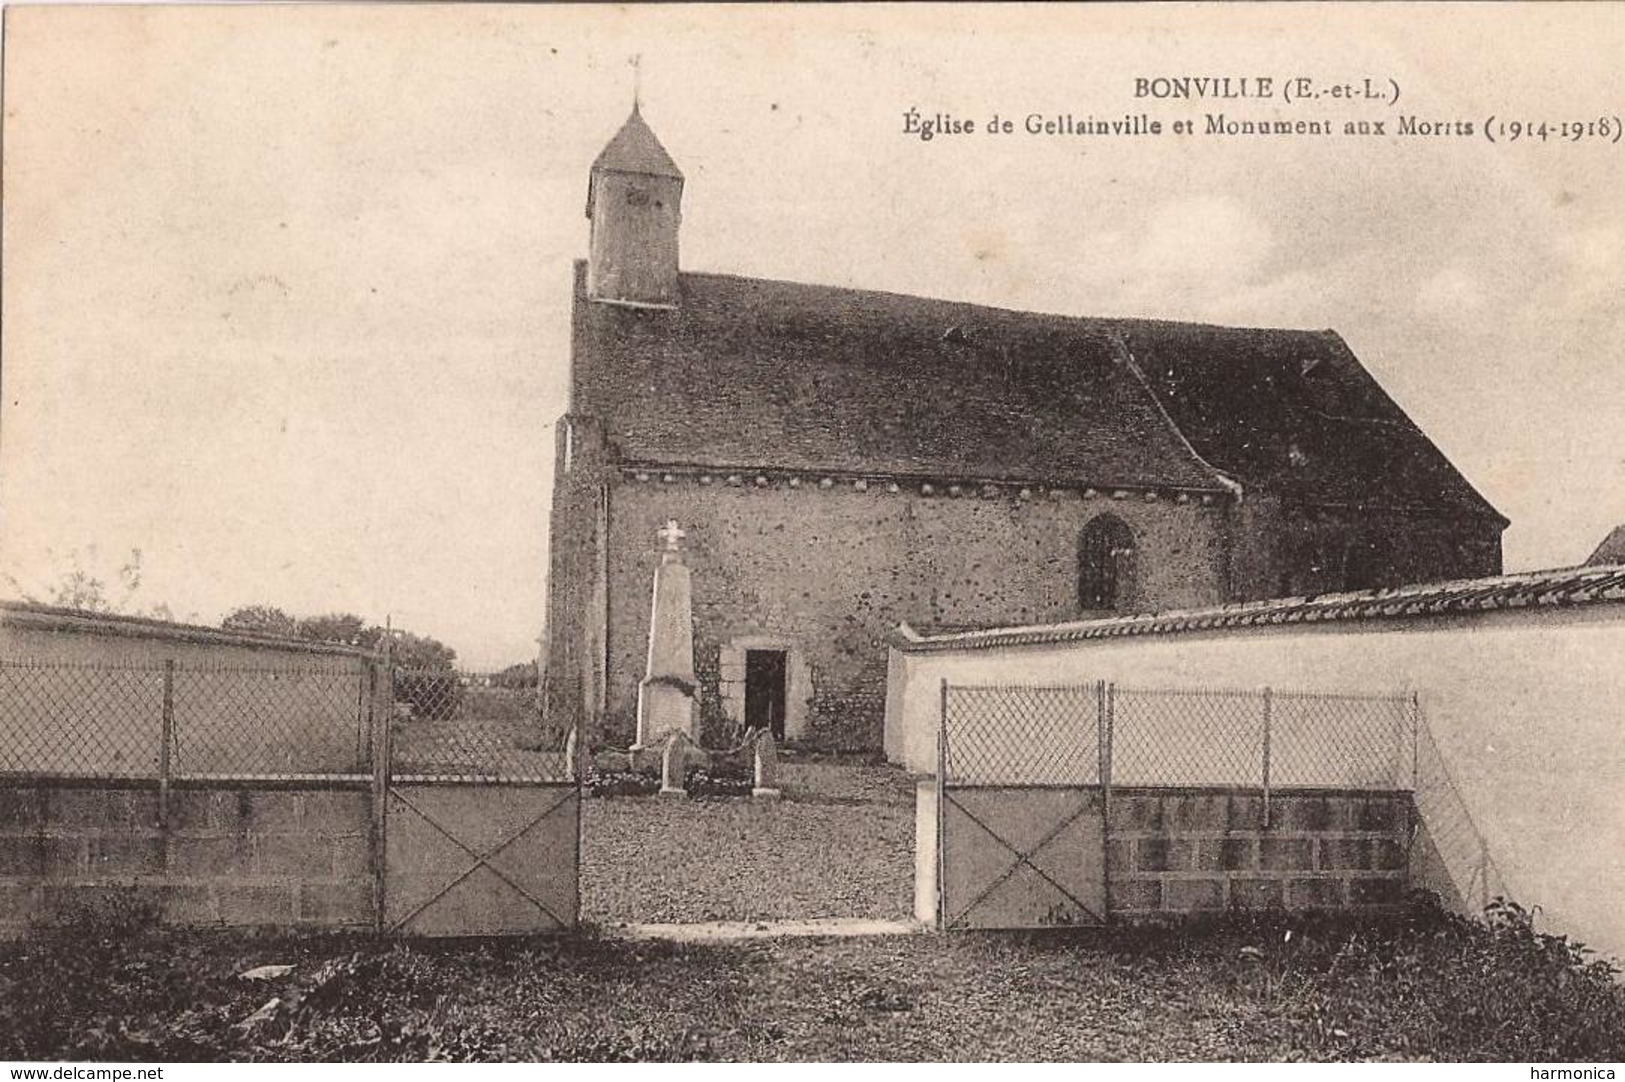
(671, 534)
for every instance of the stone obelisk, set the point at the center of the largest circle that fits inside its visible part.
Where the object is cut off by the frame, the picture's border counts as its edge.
(667, 692)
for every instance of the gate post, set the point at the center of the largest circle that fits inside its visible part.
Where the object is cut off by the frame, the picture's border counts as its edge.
(1268, 721)
(383, 710)
(166, 742)
(1416, 726)
(942, 796)
(1104, 723)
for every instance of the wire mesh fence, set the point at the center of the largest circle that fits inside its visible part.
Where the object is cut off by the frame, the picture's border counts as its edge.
(460, 725)
(1177, 737)
(270, 721)
(1343, 741)
(101, 721)
(1457, 844)
(177, 721)
(1203, 736)
(1023, 735)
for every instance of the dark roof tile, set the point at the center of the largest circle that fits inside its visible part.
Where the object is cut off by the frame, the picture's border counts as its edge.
(636, 149)
(1559, 588)
(750, 372)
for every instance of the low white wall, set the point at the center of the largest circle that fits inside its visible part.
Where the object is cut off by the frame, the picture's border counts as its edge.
(1527, 708)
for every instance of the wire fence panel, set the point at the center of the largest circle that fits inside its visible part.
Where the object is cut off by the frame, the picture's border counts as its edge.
(468, 726)
(1023, 735)
(1187, 737)
(77, 719)
(89, 720)
(1178, 737)
(1450, 844)
(80, 720)
(1341, 741)
(269, 721)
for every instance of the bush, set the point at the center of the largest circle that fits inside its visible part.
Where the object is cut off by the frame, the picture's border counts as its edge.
(718, 779)
(431, 694)
(1443, 986)
(621, 782)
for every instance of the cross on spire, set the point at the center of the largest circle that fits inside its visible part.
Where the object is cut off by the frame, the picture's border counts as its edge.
(637, 81)
(671, 534)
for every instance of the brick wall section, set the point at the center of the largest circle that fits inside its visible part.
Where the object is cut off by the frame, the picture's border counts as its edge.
(1189, 852)
(242, 856)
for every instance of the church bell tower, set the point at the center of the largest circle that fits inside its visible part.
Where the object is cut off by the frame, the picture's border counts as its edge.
(634, 199)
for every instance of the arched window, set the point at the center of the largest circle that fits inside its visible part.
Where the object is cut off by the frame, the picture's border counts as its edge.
(1105, 563)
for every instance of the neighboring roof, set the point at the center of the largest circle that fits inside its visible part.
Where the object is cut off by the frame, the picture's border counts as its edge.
(636, 149)
(21, 614)
(1612, 549)
(1561, 588)
(751, 372)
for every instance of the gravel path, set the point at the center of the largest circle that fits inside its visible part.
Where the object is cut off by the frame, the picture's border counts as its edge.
(840, 844)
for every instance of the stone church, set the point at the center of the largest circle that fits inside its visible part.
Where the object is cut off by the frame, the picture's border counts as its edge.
(843, 460)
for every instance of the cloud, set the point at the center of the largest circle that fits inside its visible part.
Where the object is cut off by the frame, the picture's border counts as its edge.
(1204, 239)
(1451, 291)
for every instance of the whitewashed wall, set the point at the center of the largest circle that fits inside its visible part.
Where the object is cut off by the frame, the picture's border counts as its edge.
(1527, 708)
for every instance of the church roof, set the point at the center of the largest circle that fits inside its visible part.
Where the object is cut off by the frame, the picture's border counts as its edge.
(1612, 549)
(636, 149)
(749, 372)
(1296, 413)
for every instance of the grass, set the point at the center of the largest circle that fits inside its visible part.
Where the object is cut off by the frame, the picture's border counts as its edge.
(1426, 987)
(655, 859)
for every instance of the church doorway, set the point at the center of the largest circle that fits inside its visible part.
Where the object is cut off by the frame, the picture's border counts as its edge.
(766, 673)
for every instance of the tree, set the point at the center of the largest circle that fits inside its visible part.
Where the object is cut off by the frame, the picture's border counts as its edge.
(340, 627)
(421, 652)
(261, 620)
(522, 675)
(408, 650)
(82, 588)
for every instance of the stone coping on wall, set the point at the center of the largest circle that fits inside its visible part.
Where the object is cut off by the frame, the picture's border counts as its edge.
(22, 615)
(1559, 588)
(186, 781)
(1142, 789)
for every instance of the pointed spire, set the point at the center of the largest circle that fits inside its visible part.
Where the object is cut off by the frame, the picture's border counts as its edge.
(635, 149)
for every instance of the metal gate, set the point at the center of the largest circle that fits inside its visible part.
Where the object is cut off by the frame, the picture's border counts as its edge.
(1026, 778)
(1020, 809)
(478, 809)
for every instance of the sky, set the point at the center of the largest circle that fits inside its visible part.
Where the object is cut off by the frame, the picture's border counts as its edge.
(286, 288)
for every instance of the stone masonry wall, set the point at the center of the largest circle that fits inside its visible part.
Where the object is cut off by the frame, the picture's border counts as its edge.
(1290, 550)
(241, 856)
(832, 570)
(572, 651)
(1182, 852)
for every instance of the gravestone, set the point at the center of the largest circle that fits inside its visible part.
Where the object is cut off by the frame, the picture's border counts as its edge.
(674, 764)
(667, 691)
(765, 768)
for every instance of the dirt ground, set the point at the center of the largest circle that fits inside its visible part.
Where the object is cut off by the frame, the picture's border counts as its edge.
(1430, 987)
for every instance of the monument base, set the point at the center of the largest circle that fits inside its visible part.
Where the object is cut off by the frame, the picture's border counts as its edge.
(664, 707)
